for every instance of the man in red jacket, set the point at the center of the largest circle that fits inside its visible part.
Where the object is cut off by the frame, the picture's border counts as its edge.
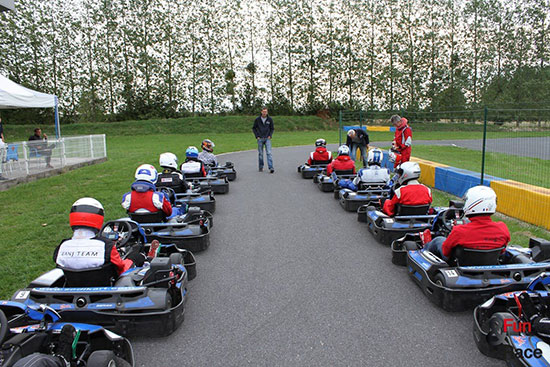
(402, 141)
(481, 233)
(321, 155)
(342, 163)
(410, 191)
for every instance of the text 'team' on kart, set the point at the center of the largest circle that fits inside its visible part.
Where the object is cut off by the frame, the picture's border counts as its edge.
(25, 330)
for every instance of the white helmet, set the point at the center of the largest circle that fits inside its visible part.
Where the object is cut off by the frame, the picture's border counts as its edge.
(320, 142)
(343, 150)
(168, 160)
(480, 200)
(408, 171)
(375, 157)
(146, 172)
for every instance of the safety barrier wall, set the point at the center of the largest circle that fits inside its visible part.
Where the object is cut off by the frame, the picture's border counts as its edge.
(525, 202)
(370, 128)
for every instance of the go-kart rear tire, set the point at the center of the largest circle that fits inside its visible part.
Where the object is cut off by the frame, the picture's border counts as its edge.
(3, 326)
(106, 358)
(176, 258)
(410, 245)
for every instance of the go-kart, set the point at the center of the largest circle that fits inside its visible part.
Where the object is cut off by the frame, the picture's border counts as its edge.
(148, 300)
(25, 330)
(190, 231)
(443, 223)
(227, 170)
(310, 171)
(505, 329)
(472, 276)
(200, 197)
(367, 195)
(218, 185)
(407, 219)
(326, 182)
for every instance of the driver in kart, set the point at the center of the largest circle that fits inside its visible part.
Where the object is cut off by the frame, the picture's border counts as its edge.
(321, 155)
(480, 202)
(85, 250)
(193, 166)
(144, 197)
(170, 176)
(410, 191)
(207, 156)
(372, 175)
(343, 162)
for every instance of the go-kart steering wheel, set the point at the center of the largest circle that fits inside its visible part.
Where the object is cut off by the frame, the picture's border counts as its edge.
(116, 230)
(3, 326)
(447, 220)
(170, 194)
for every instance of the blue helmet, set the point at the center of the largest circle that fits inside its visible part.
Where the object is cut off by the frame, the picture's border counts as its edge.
(375, 157)
(192, 152)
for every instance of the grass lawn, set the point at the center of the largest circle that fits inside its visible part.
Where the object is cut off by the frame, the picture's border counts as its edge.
(523, 169)
(34, 216)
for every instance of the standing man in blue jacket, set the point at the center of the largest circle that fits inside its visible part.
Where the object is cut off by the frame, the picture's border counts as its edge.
(263, 130)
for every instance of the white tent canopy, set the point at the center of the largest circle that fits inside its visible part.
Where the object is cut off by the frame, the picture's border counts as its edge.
(13, 95)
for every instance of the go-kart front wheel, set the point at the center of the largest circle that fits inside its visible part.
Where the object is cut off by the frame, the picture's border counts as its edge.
(106, 358)
(439, 280)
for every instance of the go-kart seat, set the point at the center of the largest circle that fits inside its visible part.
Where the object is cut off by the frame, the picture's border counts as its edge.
(343, 172)
(471, 257)
(103, 276)
(157, 217)
(401, 209)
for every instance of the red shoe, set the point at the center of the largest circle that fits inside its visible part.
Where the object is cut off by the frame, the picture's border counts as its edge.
(426, 236)
(153, 249)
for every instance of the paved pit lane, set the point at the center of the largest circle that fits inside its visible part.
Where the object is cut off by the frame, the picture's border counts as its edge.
(291, 279)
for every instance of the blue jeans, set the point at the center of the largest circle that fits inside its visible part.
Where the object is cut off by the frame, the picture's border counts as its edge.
(267, 143)
(435, 246)
(362, 148)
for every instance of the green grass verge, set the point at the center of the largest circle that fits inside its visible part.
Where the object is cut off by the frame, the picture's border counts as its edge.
(34, 216)
(243, 124)
(523, 169)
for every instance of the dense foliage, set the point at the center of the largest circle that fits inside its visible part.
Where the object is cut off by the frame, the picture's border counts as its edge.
(132, 59)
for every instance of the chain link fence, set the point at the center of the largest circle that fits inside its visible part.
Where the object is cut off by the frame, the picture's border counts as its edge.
(24, 158)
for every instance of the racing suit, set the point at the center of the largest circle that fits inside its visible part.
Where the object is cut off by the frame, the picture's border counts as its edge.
(208, 158)
(372, 175)
(320, 156)
(481, 233)
(341, 163)
(145, 199)
(403, 142)
(85, 251)
(172, 179)
(193, 167)
(411, 193)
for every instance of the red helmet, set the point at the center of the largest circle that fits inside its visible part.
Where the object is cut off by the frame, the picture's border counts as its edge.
(86, 212)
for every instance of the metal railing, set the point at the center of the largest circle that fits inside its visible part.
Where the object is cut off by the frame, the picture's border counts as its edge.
(24, 158)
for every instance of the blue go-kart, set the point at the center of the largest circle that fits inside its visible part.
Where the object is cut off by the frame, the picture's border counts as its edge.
(472, 276)
(310, 171)
(227, 170)
(366, 196)
(25, 330)
(202, 198)
(218, 185)
(504, 328)
(326, 183)
(148, 300)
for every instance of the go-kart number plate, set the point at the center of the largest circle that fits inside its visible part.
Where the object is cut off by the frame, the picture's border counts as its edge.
(451, 273)
(22, 295)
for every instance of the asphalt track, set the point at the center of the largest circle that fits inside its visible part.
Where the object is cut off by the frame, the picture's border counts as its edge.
(291, 279)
